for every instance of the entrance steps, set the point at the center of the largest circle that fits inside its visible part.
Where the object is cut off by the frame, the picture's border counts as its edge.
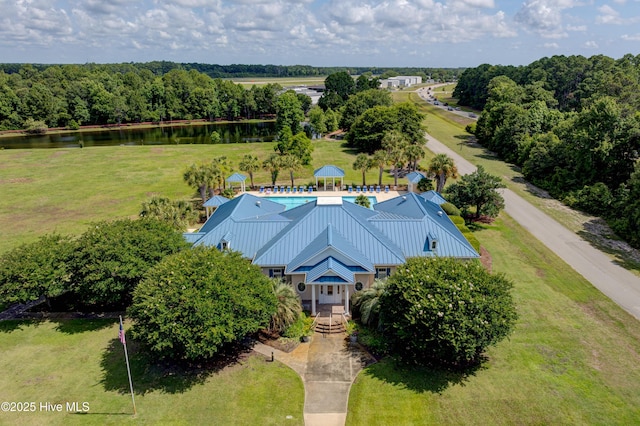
(329, 323)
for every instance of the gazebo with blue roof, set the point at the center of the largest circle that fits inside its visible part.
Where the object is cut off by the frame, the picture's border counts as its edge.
(329, 171)
(413, 178)
(237, 178)
(213, 203)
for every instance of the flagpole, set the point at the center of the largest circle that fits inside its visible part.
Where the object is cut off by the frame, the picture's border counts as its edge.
(126, 357)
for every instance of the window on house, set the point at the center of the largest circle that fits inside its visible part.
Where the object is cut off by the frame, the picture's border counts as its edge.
(302, 287)
(276, 273)
(382, 273)
(224, 245)
(434, 244)
(359, 286)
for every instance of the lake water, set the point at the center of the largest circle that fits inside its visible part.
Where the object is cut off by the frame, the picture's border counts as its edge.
(263, 131)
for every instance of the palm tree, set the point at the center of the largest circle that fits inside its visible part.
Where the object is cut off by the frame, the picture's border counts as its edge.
(291, 163)
(380, 159)
(288, 307)
(363, 163)
(395, 143)
(250, 164)
(442, 167)
(221, 168)
(414, 154)
(178, 214)
(366, 303)
(273, 164)
(198, 177)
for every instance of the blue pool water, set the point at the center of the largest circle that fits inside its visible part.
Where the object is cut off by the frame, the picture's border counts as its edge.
(291, 202)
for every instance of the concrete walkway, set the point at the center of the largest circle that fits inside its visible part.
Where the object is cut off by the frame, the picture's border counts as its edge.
(327, 365)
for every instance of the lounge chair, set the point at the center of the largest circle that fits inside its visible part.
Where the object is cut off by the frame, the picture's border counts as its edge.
(378, 189)
(295, 189)
(301, 188)
(261, 189)
(386, 188)
(310, 189)
(288, 189)
(358, 189)
(350, 190)
(371, 188)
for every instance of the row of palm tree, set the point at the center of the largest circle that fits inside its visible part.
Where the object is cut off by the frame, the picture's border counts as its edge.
(396, 152)
(206, 176)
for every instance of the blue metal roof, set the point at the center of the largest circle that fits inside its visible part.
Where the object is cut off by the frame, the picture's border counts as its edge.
(434, 197)
(236, 177)
(415, 177)
(348, 219)
(330, 267)
(215, 201)
(328, 171)
(356, 238)
(330, 243)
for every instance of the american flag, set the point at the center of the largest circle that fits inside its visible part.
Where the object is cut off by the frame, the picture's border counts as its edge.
(121, 334)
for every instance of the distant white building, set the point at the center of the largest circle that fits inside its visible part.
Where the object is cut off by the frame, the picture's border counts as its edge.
(401, 81)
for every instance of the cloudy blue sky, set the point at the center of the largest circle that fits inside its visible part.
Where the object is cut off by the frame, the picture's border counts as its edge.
(426, 33)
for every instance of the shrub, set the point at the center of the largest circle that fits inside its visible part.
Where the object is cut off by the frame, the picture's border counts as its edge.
(446, 311)
(111, 258)
(193, 303)
(450, 209)
(425, 184)
(288, 308)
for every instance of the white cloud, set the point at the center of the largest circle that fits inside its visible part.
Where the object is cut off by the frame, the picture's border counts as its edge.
(544, 17)
(590, 44)
(631, 37)
(551, 45)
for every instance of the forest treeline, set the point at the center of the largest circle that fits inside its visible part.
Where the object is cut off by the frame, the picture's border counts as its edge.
(244, 70)
(572, 124)
(95, 94)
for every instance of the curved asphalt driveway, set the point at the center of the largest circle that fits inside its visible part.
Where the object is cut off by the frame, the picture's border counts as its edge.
(617, 283)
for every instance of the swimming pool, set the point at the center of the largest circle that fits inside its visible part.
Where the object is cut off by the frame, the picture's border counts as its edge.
(291, 202)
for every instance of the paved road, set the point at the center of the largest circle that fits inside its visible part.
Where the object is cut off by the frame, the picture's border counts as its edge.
(617, 283)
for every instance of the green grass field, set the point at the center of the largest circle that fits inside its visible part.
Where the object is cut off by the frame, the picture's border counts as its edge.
(571, 360)
(63, 190)
(83, 361)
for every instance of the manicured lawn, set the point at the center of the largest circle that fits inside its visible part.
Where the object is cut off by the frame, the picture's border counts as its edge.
(62, 190)
(83, 361)
(571, 360)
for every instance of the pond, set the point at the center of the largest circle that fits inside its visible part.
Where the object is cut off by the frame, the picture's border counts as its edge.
(238, 132)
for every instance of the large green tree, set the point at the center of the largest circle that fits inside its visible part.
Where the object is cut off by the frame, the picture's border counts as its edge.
(177, 213)
(477, 193)
(289, 112)
(193, 303)
(36, 269)
(445, 311)
(111, 258)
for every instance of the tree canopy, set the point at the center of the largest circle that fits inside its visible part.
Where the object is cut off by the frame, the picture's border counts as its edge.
(445, 311)
(36, 269)
(193, 303)
(477, 193)
(111, 258)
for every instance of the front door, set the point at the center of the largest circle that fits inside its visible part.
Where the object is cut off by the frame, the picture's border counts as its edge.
(330, 293)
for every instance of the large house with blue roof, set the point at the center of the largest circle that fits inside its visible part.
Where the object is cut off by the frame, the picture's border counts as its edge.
(327, 248)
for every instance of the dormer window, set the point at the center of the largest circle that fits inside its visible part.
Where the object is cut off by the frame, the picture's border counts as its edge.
(434, 245)
(225, 245)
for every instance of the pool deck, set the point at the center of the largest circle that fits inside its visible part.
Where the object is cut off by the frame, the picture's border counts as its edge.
(380, 196)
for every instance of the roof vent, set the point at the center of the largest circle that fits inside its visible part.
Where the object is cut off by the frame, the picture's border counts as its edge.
(440, 213)
(258, 203)
(404, 197)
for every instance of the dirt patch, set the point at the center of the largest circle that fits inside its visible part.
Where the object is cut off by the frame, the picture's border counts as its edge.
(281, 343)
(15, 180)
(485, 259)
